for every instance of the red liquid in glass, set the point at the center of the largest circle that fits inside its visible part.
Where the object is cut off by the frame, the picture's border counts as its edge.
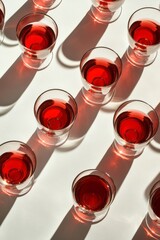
(155, 202)
(1, 20)
(145, 32)
(55, 114)
(92, 192)
(15, 167)
(100, 72)
(134, 127)
(37, 37)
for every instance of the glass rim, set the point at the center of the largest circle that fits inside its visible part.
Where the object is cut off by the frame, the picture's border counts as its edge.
(27, 147)
(75, 112)
(102, 175)
(41, 14)
(4, 8)
(151, 194)
(138, 101)
(106, 48)
(128, 24)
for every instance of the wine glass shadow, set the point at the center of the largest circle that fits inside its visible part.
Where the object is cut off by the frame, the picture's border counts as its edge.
(143, 232)
(155, 143)
(127, 82)
(42, 151)
(86, 115)
(71, 228)
(13, 83)
(10, 38)
(85, 36)
(115, 165)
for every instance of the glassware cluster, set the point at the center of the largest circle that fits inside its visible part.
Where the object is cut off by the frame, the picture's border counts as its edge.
(135, 122)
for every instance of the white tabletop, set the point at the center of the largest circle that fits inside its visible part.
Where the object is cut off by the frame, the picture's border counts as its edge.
(46, 211)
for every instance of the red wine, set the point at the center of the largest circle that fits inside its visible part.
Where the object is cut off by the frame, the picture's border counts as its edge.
(145, 32)
(100, 72)
(155, 202)
(15, 167)
(134, 127)
(92, 192)
(55, 114)
(37, 37)
(1, 20)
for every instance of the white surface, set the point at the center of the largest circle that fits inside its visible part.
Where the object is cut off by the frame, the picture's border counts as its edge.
(44, 213)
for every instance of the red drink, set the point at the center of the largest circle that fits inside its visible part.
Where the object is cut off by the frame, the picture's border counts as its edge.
(100, 72)
(55, 114)
(134, 127)
(155, 202)
(15, 167)
(1, 19)
(92, 192)
(37, 37)
(145, 32)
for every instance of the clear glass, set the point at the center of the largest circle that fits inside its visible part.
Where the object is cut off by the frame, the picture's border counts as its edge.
(143, 122)
(142, 50)
(2, 21)
(153, 216)
(96, 198)
(17, 167)
(47, 4)
(37, 50)
(106, 10)
(47, 134)
(100, 94)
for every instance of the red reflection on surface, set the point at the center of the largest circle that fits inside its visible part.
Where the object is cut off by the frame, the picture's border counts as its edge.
(149, 234)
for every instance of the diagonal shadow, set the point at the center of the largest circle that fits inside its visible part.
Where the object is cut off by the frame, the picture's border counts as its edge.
(10, 38)
(128, 80)
(85, 36)
(155, 143)
(143, 233)
(86, 115)
(42, 151)
(13, 83)
(43, 154)
(71, 228)
(115, 165)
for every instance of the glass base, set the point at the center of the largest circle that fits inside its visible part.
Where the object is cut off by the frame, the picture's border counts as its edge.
(51, 138)
(38, 64)
(127, 151)
(89, 216)
(105, 16)
(18, 190)
(46, 5)
(153, 226)
(96, 98)
(138, 59)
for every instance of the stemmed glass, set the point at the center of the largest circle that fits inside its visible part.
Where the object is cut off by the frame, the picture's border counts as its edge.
(17, 167)
(93, 192)
(135, 124)
(100, 70)
(37, 34)
(55, 111)
(144, 36)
